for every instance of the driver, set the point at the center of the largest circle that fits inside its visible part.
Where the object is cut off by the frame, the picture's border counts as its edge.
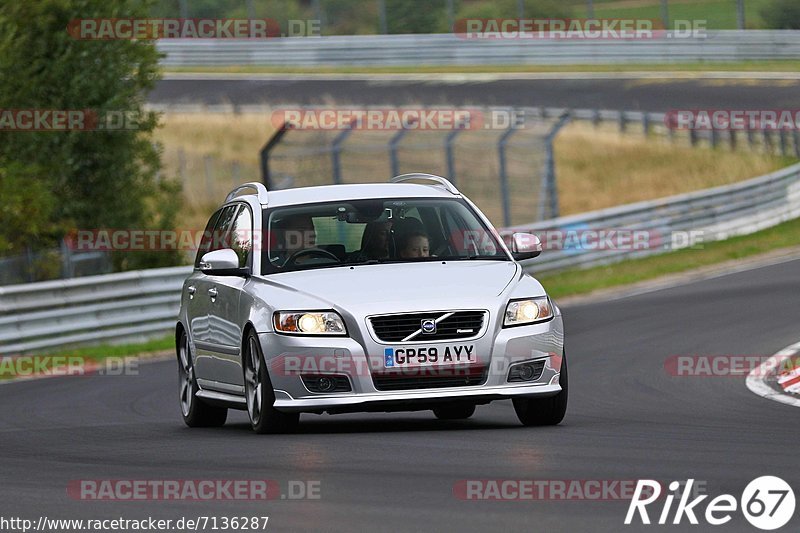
(295, 233)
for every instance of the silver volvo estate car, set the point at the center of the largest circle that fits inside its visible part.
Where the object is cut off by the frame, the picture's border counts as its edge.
(396, 296)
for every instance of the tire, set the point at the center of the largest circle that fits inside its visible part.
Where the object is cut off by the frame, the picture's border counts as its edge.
(264, 418)
(195, 412)
(545, 411)
(456, 411)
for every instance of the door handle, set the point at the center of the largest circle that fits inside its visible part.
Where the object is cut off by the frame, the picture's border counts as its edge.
(212, 292)
(191, 289)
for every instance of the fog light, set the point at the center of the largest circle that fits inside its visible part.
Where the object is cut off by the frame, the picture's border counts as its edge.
(325, 384)
(526, 371)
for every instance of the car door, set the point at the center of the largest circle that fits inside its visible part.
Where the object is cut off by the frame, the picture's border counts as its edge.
(225, 314)
(205, 297)
(194, 289)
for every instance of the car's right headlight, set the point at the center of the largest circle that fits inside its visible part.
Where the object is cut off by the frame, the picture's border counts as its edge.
(309, 323)
(528, 311)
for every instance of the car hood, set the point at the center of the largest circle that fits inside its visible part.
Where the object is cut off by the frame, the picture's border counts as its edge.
(399, 287)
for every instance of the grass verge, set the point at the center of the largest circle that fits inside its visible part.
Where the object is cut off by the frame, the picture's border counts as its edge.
(575, 282)
(59, 361)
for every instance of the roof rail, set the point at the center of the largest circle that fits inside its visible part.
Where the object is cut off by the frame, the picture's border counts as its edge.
(437, 181)
(261, 191)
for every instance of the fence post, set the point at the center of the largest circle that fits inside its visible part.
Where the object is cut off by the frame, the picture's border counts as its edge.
(767, 140)
(336, 150)
(622, 124)
(208, 164)
(393, 142)
(796, 139)
(273, 141)
(448, 151)
(646, 123)
(501, 152)
(714, 137)
(784, 147)
(732, 138)
(751, 137)
(549, 187)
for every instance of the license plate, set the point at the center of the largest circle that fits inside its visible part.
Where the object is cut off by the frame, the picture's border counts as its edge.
(413, 356)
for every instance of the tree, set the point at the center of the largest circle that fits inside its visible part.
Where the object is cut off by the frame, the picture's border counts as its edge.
(100, 179)
(782, 14)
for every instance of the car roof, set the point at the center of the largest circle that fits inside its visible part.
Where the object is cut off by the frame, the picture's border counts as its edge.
(361, 191)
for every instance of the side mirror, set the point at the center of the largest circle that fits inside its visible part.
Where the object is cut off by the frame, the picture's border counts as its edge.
(223, 262)
(525, 246)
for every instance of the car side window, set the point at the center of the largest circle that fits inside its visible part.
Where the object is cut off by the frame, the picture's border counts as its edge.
(241, 235)
(207, 238)
(218, 237)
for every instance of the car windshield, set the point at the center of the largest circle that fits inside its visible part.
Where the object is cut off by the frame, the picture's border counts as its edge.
(374, 231)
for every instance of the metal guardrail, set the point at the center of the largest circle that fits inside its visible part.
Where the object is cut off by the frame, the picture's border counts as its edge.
(668, 224)
(38, 316)
(449, 49)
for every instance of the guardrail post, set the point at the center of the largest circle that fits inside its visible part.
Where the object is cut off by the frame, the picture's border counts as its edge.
(622, 124)
(265, 152)
(549, 189)
(336, 150)
(646, 124)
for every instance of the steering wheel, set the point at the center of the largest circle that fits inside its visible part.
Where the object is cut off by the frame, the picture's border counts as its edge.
(310, 252)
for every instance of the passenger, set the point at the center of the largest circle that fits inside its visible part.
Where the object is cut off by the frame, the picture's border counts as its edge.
(414, 245)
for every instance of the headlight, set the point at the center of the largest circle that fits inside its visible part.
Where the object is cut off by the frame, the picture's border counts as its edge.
(309, 323)
(528, 311)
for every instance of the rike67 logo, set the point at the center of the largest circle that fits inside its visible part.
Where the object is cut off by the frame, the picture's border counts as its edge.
(767, 503)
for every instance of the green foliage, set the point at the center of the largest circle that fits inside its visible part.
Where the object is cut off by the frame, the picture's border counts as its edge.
(101, 178)
(782, 14)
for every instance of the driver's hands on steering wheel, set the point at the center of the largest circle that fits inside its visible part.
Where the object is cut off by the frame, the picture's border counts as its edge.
(310, 253)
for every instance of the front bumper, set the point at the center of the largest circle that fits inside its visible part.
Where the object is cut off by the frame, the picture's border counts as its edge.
(290, 357)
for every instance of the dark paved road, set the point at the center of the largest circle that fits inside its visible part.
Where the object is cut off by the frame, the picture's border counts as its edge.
(627, 419)
(649, 95)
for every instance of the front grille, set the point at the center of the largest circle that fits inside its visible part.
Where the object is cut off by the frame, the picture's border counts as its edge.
(430, 378)
(460, 325)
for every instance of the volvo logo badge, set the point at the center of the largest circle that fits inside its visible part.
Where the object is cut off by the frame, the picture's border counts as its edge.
(428, 326)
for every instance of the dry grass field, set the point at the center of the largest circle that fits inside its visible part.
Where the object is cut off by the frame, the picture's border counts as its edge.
(596, 167)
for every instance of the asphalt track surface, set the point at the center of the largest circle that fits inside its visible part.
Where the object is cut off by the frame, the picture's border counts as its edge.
(627, 419)
(616, 93)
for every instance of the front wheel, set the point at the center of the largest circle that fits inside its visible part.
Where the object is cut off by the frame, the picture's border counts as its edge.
(264, 418)
(195, 412)
(544, 411)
